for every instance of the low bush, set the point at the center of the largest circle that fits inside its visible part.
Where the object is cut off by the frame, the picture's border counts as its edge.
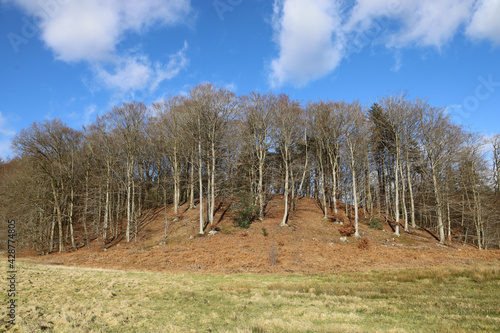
(375, 223)
(346, 230)
(363, 244)
(244, 210)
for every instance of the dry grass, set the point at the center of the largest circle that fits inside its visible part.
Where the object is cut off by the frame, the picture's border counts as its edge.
(65, 299)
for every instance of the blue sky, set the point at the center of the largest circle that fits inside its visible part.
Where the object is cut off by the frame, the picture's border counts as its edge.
(75, 59)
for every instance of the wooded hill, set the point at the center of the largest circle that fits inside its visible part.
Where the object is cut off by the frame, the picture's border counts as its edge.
(400, 157)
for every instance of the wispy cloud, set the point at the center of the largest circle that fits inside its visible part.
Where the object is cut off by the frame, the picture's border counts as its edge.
(89, 111)
(137, 72)
(314, 36)
(398, 61)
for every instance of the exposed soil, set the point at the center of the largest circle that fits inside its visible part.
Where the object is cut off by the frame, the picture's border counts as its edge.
(309, 244)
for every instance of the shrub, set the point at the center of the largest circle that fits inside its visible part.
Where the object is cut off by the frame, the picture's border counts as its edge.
(264, 232)
(245, 210)
(347, 230)
(375, 223)
(363, 244)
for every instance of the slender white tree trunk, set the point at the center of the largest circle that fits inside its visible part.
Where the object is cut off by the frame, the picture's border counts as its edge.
(403, 199)
(191, 183)
(200, 180)
(396, 190)
(212, 189)
(410, 188)
(106, 207)
(176, 182)
(285, 194)
(354, 193)
(129, 204)
(334, 190)
(438, 204)
(260, 189)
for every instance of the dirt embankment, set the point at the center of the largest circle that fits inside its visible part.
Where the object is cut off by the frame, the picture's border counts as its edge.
(309, 244)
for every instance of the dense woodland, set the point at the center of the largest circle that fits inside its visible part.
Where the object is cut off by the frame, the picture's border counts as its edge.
(400, 158)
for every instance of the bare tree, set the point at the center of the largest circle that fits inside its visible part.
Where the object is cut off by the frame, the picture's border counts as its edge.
(128, 121)
(211, 109)
(51, 144)
(287, 120)
(320, 130)
(172, 139)
(439, 141)
(355, 130)
(258, 111)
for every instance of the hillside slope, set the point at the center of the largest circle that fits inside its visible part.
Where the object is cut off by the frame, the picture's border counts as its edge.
(309, 244)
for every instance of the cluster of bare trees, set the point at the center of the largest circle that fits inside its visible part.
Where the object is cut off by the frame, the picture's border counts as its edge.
(399, 158)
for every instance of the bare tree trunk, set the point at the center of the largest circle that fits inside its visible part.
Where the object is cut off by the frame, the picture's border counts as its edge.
(449, 221)
(99, 210)
(118, 203)
(334, 187)
(396, 191)
(85, 209)
(106, 206)
(212, 188)
(354, 193)
(134, 213)
(323, 192)
(176, 182)
(52, 230)
(305, 164)
(403, 189)
(260, 188)
(129, 204)
(438, 205)
(410, 188)
(369, 204)
(191, 183)
(323, 187)
(477, 218)
(285, 194)
(70, 219)
(200, 180)
(59, 218)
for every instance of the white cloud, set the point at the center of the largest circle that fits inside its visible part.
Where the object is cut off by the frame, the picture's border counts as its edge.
(89, 30)
(137, 72)
(485, 23)
(307, 35)
(422, 22)
(314, 36)
(128, 73)
(430, 22)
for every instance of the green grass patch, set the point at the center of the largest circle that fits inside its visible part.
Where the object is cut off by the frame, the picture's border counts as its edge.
(64, 299)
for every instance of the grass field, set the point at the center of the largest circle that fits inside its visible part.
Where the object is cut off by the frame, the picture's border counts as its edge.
(65, 299)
